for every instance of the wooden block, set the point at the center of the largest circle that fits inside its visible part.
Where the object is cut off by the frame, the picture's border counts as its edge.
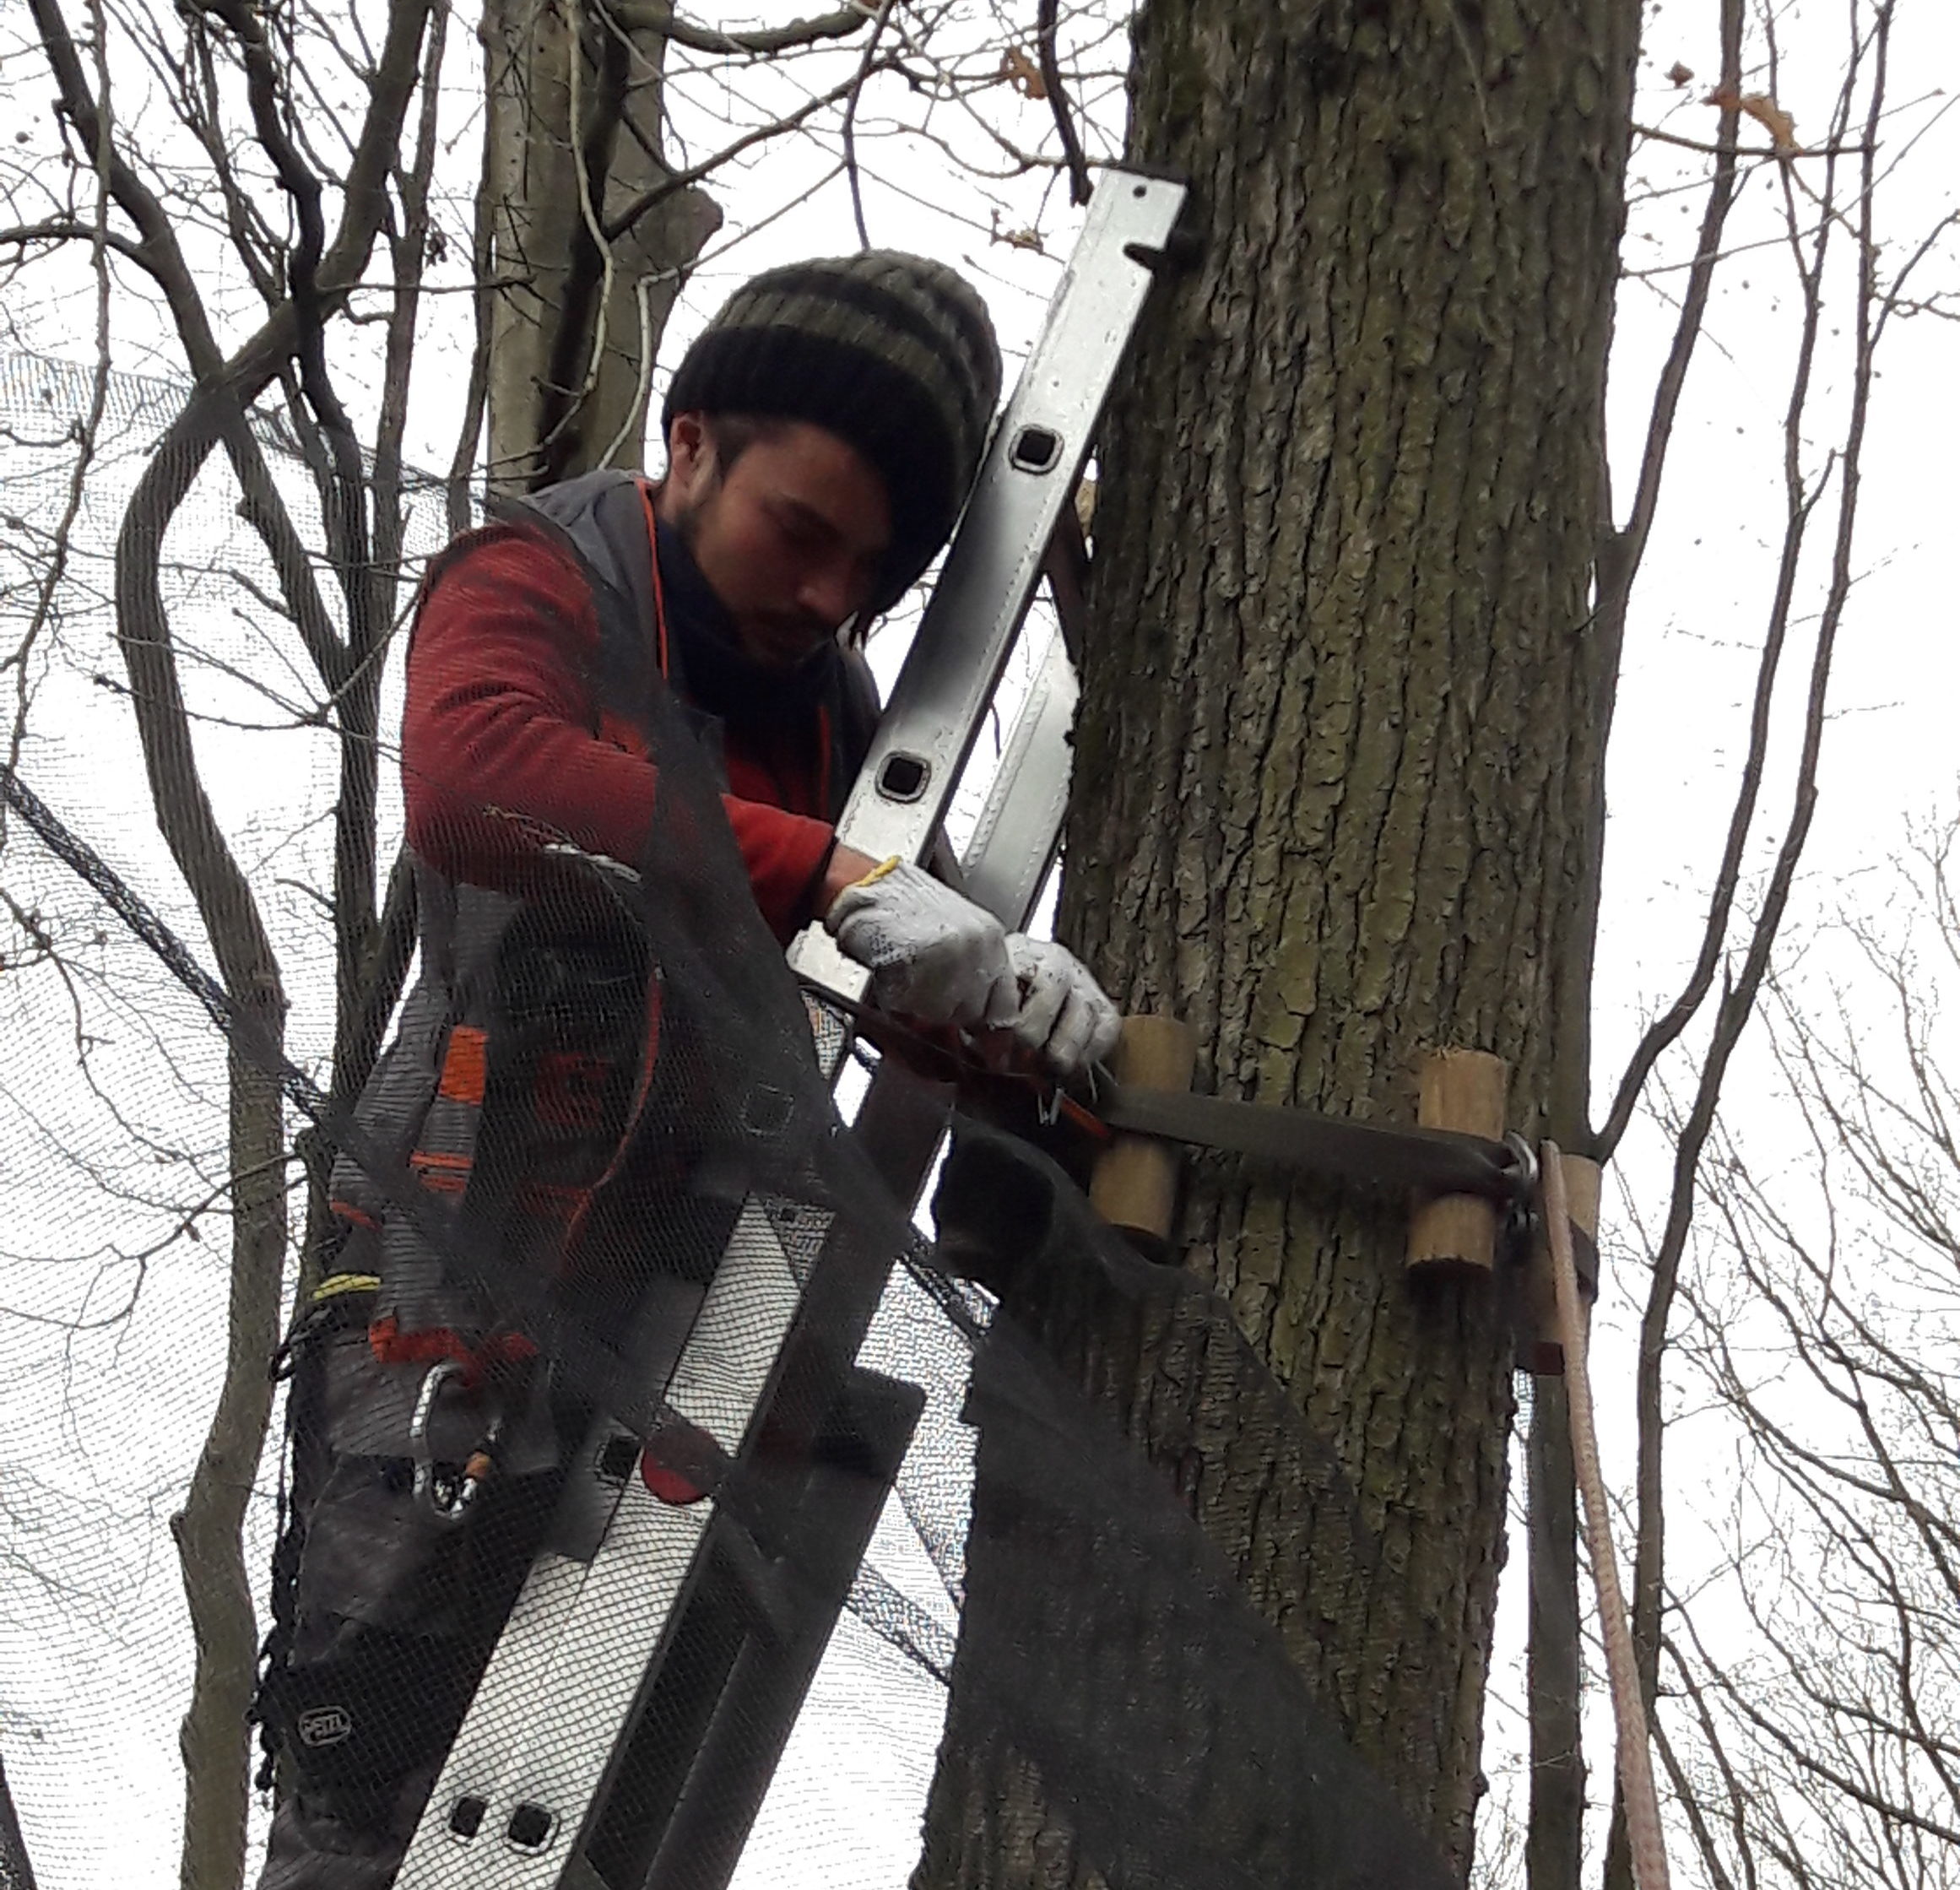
(1134, 1183)
(1467, 1090)
(1539, 1347)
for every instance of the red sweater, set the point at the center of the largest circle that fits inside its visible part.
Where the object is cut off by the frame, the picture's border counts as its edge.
(501, 714)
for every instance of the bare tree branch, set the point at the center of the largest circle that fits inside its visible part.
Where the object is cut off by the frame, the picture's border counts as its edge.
(763, 42)
(1057, 98)
(1620, 563)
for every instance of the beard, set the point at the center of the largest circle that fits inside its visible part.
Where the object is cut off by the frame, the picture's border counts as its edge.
(782, 640)
(777, 643)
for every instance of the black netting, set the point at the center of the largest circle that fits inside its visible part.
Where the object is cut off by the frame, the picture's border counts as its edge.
(1116, 1695)
(622, 1351)
(1112, 1689)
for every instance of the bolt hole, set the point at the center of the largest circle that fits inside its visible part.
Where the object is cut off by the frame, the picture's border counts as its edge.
(1036, 449)
(903, 776)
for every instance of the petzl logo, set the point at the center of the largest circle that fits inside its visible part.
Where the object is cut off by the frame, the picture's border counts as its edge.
(325, 1725)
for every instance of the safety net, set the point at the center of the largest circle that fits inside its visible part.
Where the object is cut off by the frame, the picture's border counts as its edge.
(622, 1418)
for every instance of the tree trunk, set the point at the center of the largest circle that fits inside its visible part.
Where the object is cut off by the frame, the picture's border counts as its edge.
(215, 1737)
(1346, 717)
(1554, 1835)
(577, 312)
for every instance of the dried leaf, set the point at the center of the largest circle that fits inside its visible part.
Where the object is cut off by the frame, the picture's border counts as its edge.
(1774, 120)
(1017, 239)
(1766, 111)
(1022, 73)
(1678, 74)
(1086, 506)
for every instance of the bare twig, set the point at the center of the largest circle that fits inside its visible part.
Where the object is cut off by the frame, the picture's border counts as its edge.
(1050, 71)
(1749, 151)
(658, 194)
(1738, 1001)
(763, 42)
(56, 570)
(849, 131)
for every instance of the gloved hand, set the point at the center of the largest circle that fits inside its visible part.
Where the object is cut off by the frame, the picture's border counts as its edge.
(1065, 1019)
(932, 955)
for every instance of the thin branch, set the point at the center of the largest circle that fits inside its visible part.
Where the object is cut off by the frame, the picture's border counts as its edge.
(91, 424)
(482, 296)
(761, 42)
(1620, 563)
(1750, 151)
(658, 194)
(63, 230)
(1057, 98)
(1738, 1001)
(849, 130)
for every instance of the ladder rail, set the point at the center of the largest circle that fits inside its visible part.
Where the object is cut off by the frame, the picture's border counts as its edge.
(1026, 485)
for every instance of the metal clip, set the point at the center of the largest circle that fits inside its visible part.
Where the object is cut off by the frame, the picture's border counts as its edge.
(1524, 1161)
(1521, 1212)
(448, 1491)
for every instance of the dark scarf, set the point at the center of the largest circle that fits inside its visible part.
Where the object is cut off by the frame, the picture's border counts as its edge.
(710, 668)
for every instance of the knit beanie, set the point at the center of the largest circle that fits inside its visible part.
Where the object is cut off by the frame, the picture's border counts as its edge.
(893, 353)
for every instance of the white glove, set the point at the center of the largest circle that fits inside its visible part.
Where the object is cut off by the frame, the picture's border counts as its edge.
(1065, 1019)
(933, 957)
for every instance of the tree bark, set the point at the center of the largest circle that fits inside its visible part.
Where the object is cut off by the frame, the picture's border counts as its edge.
(1554, 1840)
(214, 1738)
(1346, 717)
(577, 316)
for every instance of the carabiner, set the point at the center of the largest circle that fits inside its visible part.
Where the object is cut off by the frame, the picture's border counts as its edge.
(448, 1491)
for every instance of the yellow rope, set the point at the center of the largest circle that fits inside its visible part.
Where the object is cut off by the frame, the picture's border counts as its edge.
(335, 1284)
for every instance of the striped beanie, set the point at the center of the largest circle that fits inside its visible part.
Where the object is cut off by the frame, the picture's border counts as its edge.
(893, 353)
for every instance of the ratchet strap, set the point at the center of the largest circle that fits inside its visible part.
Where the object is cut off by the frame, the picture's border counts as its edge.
(1380, 1155)
(1431, 1160)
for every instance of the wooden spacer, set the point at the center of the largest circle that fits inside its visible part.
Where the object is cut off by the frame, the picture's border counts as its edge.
(1540, 1349)
(1466, 1091)
(1135, 1183)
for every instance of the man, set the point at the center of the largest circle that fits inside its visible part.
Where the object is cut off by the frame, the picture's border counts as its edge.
(822, 434)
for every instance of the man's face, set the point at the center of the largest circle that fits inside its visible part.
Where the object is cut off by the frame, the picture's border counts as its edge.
(792, 537)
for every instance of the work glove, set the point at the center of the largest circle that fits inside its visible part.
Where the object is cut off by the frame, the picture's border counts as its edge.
(934, 956)
(1065, 1019)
